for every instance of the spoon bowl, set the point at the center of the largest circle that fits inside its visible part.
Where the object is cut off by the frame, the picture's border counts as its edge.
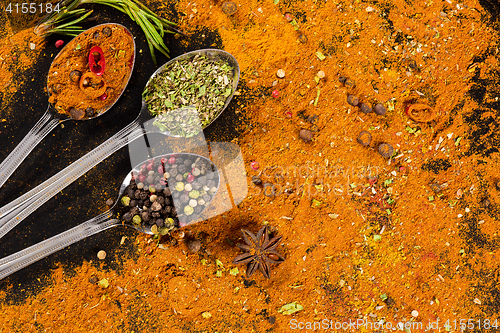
(116, 215)
(58, 86)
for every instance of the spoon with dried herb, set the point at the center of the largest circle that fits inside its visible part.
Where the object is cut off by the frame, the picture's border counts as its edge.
(75, 91)
(152, 205)
(14, 212)
(195, 81)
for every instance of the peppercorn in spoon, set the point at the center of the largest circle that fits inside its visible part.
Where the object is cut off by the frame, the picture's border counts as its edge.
(181, 121)
(85, 80)
(154, 198)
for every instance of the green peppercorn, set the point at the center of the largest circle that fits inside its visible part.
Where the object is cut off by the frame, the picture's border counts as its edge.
(188, 210)
(194, 194)
(179, 186)
(125, 201)
(136, 220)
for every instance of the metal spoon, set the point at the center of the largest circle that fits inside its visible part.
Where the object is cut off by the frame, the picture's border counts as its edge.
(14, 212)
(106, 220)
(52, 117)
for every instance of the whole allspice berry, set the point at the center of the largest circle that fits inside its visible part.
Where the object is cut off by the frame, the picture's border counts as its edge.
(385, 150)
(352, 100)
(380, 109)
(364, 138)
(365, 108)
(306, 135)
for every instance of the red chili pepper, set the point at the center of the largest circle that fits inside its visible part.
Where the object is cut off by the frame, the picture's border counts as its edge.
(97, 64)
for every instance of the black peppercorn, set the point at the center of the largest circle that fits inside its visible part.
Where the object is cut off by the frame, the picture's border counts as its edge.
(127, 217)
(89, 112)
(379, 109)
(106, 31)
(385, 150)
(364, 138)
(342, 79)
(306, 135)
(365, 108)
(75, 76)
(352, 100)
(256, 180)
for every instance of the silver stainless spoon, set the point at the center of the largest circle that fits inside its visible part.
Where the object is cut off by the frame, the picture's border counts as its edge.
(113, 217)
(14, 212)
(52, 117)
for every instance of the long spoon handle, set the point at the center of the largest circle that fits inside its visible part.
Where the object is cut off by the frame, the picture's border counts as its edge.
(13, 213)
(43, 127)
(21, 259)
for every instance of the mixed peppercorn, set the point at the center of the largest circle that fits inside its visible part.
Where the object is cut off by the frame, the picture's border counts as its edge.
(168, 192)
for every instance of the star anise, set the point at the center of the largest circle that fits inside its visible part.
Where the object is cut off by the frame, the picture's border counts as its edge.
(260, 252)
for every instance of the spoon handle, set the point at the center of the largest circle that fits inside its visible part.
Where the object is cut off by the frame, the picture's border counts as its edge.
(15, 211)
(43, 127)
(21, 259)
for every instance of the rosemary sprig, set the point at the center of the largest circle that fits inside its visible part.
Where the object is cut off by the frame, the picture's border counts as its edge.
(65, 21)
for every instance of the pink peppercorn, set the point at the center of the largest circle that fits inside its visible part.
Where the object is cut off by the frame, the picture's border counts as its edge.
(163, 160)
(275, 93)
(288, 17)
(150, 166)
(142, 178)
(163, 181)
(288, 114)
(171, 160)
(59, 43)
(160, 170)
(254, 165)
(103, 97)
(190, 178)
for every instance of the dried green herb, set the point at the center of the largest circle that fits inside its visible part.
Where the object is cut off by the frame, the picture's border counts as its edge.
(196, 85)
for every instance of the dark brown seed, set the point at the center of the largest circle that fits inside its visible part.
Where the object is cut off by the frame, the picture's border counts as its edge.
(498, 185)
(349, 83)
(256, 180)
(93, 279)
(302, 38)
(127, 217)
(312, 118)
(106, 31)
(385, 150)
(96, 35)
(365, 108)
(75, 76)
(76, 114)
(364, 138)
(306, 135)
(380, 109)
(89, 112)
(145, 216)
(352, 100)
(194, 245)
(486, 202)
(435, 187)
(110, 202)
(159, 222)
(342, 79)
(229, 8)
